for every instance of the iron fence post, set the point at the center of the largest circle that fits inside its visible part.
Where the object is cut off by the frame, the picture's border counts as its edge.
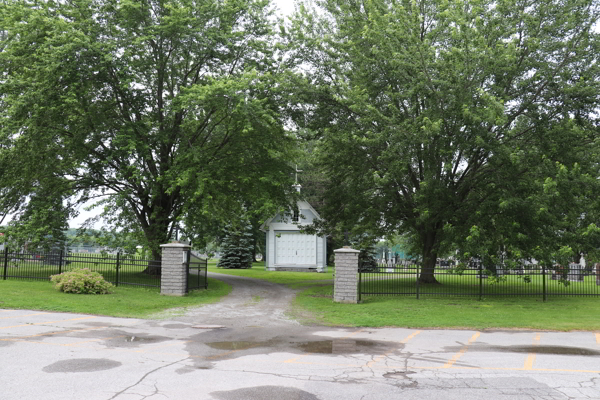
(60, 261)
(118, 265)
(205, 273)
(5, 262)
(544, 281)
(418, 286)
(359, 287)
(480, 281)
(187, 271)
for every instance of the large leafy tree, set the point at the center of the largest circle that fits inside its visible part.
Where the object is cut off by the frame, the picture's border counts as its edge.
(166, 111)
(440, 119)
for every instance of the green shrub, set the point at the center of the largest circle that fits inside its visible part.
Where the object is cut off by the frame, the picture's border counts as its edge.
(81, 281)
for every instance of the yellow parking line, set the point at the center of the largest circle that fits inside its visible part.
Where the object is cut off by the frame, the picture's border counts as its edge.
(381, 357)
(531, 356)
(406, 339)
(26, 315)
(46, 322)
(462, 351)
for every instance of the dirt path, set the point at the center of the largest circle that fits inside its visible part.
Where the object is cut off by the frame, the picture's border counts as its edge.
(252, 302)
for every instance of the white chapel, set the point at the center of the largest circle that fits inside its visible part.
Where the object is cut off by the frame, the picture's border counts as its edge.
(290, 250)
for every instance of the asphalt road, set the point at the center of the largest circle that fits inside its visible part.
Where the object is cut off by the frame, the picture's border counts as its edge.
(245, 348)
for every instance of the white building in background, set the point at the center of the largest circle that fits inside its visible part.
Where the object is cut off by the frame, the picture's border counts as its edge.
(290, 250)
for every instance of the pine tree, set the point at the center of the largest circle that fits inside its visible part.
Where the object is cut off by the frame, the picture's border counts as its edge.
(237, 247)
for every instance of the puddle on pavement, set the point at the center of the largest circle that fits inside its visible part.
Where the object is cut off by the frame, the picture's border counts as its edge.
(236, 345)
(554, 350)
(333, 346)
(345, 346)
(82, 365)
(264, 392)
(125, 339)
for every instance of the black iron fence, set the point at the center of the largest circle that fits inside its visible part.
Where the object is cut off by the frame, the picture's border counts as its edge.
(197, 270)
(529, 280)
(118, 269)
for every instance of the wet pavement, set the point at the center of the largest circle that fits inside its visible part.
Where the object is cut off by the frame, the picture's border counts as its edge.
(246, 348)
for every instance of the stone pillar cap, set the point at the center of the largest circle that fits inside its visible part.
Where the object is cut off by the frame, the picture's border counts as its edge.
(176, 244)
(346, 249)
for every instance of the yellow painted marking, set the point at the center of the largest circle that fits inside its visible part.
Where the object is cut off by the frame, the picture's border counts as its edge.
(46, 322)
(531, 356)
(515, 369)
(27, 315)
(462, 351)
(291, 360)
(379, 358)
(598, 338)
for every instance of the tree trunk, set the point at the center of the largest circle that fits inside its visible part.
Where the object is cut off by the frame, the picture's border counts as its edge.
(154, 264)
(429, 258)
(157, 233)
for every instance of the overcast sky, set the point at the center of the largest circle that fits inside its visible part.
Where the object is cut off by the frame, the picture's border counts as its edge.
(285, 6)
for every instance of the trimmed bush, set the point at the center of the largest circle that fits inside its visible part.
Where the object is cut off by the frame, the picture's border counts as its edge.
(81, 281)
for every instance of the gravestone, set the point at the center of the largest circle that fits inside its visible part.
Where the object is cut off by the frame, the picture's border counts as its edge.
(575, 273)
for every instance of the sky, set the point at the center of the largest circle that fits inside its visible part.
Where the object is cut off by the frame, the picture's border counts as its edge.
(285, 6)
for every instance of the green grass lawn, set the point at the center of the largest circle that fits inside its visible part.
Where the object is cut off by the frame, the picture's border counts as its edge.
(124, 302)
(314, 304)
(291, 279)
(558, 313)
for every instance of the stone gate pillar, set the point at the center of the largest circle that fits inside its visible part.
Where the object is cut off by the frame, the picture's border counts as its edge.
(345, 284)
(173, 276)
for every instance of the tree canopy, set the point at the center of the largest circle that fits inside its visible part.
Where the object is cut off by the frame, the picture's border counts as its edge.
(453, 121)
(165, 111)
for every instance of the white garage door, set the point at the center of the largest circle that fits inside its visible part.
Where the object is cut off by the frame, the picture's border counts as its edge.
(295, 248)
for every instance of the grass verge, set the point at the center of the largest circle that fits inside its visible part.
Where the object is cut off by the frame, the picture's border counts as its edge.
(124, 302)
(294, 280)
(558, 313)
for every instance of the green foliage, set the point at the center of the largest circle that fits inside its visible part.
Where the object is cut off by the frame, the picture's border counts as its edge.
(460, 124)
(366, 259)
(81, 281)
(237, 247)
(459, 269)
(495, 279)
(162, 112)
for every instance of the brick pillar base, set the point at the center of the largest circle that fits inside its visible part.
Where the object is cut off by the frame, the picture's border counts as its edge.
(345, 286)
(173, 277)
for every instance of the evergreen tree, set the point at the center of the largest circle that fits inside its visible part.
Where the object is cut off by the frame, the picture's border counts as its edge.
(237, 247)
